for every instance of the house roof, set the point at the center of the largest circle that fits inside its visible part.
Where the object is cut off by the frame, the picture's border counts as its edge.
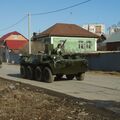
(11, 33)
(115, 37)
(69, 30)
(14, 43)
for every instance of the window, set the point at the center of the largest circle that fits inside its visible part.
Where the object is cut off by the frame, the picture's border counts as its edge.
(15, 36)
(81, 45)
(98, 29)
(88, 44)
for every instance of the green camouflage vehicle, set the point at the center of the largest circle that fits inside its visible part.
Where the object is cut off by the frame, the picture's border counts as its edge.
(46, 67)
(0, 62)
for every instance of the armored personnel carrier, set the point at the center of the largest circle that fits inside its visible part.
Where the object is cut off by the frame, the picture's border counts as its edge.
(0, 62)
(46, 67)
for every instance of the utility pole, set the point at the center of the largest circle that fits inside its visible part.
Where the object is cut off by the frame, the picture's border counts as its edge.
(29, 34)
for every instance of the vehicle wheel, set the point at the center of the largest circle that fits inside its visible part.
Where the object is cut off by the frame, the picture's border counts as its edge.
(59, 76)
(47, 74)
(69, 77)
(0, 66)
(80, 76)
(38, 74)
(30, 74)
(23, 71)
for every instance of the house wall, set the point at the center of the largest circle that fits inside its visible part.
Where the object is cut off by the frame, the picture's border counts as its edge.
(72, 44)
(76, 44)
(16, 37)
(39, 45)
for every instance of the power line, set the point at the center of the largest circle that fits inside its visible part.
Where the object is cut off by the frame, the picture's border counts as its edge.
(43, 13)
(14, 24)
(62, 9)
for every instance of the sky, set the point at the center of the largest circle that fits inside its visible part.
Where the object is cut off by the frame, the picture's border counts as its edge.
(14, 14)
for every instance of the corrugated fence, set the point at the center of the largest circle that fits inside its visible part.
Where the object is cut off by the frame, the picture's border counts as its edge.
(107, 61)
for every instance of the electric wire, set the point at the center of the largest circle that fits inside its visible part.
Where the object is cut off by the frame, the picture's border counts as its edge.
(23, 18)
(43, 13)
(62, 9)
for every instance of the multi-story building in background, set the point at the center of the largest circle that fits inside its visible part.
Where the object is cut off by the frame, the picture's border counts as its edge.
(114, 29)
(98, 29)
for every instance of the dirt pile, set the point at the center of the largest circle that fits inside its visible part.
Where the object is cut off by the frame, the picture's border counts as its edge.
(23, 102)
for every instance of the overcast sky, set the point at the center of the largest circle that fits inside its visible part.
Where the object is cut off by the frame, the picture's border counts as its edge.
(94, 11)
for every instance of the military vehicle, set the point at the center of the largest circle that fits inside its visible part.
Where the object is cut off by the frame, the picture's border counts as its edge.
(50, 65)
(0, 62)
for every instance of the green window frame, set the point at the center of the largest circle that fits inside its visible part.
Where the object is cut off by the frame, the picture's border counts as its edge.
(80, 44)
(88, 44)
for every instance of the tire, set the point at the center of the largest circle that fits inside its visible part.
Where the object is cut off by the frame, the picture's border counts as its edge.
(80, 76)
(47, 74)
(38, 74)
(23, 71)
(69, 77)
(59, 76)
(0, 66)
(30, 74)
